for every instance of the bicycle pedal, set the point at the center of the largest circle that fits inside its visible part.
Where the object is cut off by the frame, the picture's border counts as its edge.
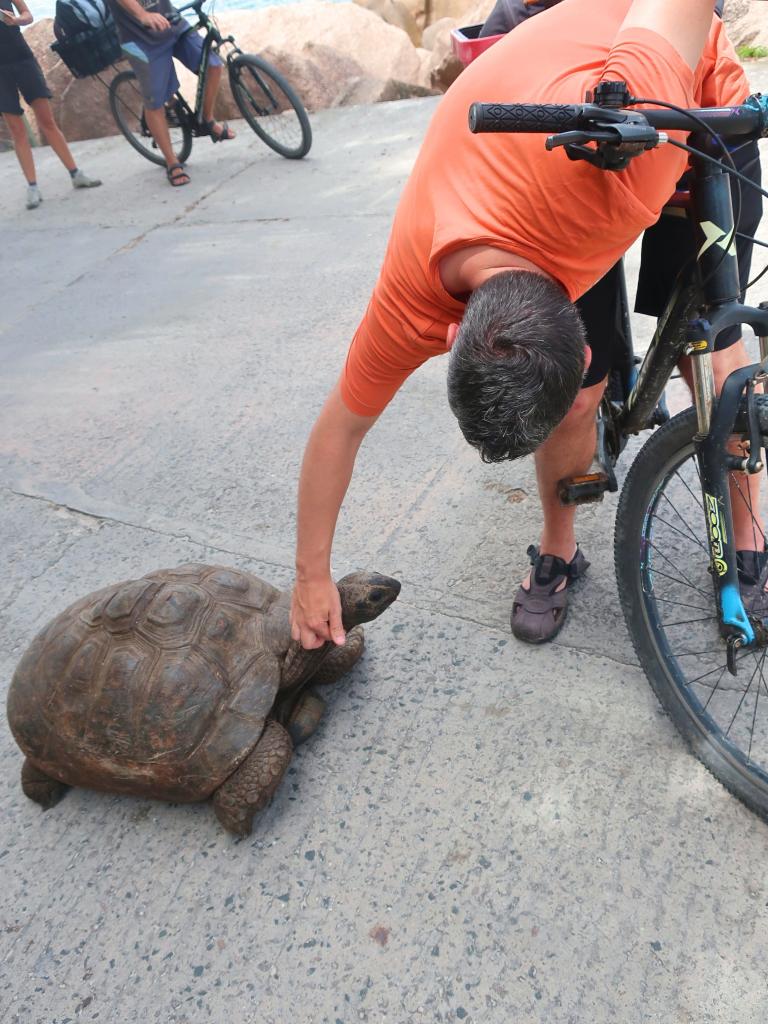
(583, 490)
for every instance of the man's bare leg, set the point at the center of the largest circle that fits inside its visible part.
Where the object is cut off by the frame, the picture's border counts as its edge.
(212, 86)
(539, 607)
(568, 451)
(21, 145)
(748, 527)
(158, 125)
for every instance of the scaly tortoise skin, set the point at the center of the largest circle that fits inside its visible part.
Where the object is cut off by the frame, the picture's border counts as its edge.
(179, 686)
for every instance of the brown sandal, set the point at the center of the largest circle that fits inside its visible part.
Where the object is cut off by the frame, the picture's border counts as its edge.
(177, 175)
(538, 613)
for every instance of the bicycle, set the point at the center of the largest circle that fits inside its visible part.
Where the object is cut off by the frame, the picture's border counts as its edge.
(265, 99)
(674, 545)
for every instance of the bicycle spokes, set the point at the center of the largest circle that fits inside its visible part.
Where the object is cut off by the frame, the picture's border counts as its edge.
(679, 594)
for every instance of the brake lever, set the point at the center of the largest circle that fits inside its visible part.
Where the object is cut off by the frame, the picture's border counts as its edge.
(577, 138)
(617, 143)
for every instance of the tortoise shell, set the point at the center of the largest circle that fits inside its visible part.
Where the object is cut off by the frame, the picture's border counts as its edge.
(158, 686)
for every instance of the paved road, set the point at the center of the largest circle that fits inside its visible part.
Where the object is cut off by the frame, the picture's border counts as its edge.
(480, 831)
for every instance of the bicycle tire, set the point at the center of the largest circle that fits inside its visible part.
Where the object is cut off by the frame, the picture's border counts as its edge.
(635, 549)
(282, 124)
(128, 115)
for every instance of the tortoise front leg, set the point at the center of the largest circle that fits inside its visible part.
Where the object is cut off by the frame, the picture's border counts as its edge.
(341, 659)
(305, 716)
(40, 787)
(253, 785)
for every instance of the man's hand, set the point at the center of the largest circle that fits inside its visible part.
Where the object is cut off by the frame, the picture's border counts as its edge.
(155, 22)
(316, 614)
(10, 19)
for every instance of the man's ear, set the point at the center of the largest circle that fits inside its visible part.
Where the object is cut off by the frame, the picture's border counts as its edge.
(450, 337)
(587, 357)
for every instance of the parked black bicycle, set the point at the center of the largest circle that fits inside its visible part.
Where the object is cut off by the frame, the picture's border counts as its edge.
(696, 607)
(265, 99)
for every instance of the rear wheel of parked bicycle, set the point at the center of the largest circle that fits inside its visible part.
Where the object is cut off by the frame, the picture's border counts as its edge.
(127, 106)
(662, 556)
(270, 106)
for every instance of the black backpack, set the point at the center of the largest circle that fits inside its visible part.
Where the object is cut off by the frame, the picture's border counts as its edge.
(78, 17)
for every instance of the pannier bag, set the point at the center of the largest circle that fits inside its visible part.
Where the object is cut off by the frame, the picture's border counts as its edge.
(86, 36)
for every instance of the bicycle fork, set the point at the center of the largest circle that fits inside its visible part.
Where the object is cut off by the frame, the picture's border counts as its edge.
(717, 416)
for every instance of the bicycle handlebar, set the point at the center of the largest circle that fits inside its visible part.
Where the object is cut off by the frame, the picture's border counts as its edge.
(750, 119)
(195, 5)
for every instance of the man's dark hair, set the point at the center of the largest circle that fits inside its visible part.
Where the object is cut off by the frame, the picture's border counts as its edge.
(516, 365)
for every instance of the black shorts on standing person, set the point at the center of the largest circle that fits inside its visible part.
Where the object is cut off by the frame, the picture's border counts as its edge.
(21, 76)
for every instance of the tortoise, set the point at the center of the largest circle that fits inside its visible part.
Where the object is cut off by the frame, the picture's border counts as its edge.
(179, 686)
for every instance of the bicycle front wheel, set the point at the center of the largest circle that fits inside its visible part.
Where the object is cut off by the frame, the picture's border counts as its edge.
(667, 595)
(127, 107)
(270, 106)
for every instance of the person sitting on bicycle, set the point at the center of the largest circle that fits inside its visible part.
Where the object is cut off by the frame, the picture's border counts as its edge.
(540, 603)
(493, 240)
(21, 74)
(151, 42)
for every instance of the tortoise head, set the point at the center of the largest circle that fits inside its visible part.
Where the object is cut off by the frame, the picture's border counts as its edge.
(364, 596)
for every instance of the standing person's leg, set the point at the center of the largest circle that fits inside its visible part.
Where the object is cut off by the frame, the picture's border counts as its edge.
(52, 133)
(10, 107)
(35, 91)
(55, 139)
(22, 146)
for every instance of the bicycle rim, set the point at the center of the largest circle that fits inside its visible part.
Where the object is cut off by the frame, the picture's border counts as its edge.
(662, 562)
(128, 111)
(270, 106)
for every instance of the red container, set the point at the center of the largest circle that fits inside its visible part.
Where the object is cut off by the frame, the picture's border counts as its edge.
(467, 45)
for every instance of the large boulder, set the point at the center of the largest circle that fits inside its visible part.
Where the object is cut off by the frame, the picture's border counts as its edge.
(437, 30)
(332, 54)
(394, 12)
(80, 105)
(747, 22)
(427, 12)
(444, 68)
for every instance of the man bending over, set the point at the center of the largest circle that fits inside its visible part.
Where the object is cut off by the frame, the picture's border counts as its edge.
(491, 246)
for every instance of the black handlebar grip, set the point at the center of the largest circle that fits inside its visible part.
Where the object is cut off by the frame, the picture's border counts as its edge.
(523, 117)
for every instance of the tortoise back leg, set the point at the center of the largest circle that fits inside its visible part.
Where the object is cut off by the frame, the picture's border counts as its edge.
(341, 659)
(305, 717)
(41, 787)
(253, 785)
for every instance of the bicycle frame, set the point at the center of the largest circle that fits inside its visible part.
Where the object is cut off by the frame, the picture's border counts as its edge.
(715, 294)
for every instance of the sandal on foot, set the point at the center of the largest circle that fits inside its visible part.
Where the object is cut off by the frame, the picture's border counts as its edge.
(538, 613)
(225, 135)
(177, 176)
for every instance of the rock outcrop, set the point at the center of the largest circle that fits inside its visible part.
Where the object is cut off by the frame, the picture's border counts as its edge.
(747, 22)
(332, 54)
(394, 12)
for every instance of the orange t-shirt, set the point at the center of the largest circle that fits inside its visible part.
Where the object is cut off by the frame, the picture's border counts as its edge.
(569, 218)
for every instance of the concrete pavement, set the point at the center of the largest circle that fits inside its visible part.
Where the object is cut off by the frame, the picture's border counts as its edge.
(480, 831)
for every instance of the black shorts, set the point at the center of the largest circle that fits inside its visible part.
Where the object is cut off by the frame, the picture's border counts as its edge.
(25, 77)
(667, 246)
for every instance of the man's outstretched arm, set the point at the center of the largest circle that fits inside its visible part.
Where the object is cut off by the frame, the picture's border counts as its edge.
(326, 470)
